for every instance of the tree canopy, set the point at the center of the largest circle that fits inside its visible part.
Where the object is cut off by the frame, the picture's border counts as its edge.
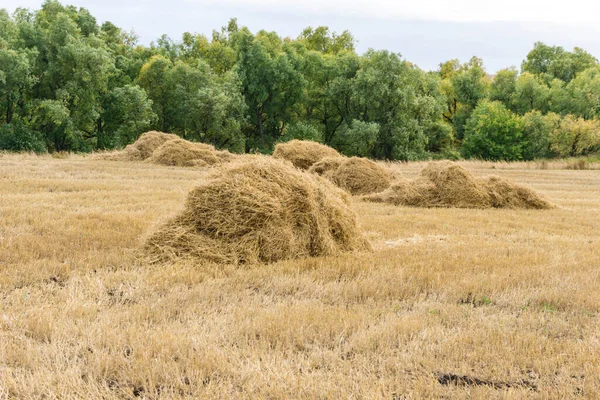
(68, 83)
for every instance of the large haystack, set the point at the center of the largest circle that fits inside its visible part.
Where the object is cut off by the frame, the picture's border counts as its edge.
(141, 149)
(361, 176)
(446, 184)
(259, 210)
(505, 194)
(182, 153)
(303, 153)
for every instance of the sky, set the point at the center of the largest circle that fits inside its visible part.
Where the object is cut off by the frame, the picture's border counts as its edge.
(425, 32)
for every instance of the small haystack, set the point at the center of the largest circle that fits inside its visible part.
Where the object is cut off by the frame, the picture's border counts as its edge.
(141, 149)
(169, 149)
(361, 176)
(303, 153)
(259, 210)
(182, 153)
(446, 184)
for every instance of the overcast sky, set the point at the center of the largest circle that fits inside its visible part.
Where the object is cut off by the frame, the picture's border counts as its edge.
(425, 32)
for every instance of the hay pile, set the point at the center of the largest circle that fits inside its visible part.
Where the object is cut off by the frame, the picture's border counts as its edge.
(505, 194)
(141, 149)
(446, 184)
(262, 210)
(356, 175)
(182, 153)
(326, 166)
(169, 149)
(303, 153)
(361, 176)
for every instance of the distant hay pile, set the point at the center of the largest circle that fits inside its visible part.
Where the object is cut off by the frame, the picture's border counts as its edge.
(182, 153)
(446, 184)
(303, 153)
(505, 194)
(357, 175)
(361, 176)
(169, 149)
(259, 210)
(141, 149)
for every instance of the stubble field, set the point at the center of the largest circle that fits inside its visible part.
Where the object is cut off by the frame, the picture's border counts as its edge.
(452, 303)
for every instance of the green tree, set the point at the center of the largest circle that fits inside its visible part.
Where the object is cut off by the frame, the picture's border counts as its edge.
(271, 83)
(16, 80)
(553, 62)
(358, 139)
(537, 131)
(321, 39)
(127, 113)
(530, 94)
(503, 87)
(493, 132)
(396, 95)
(153, 78)
(464, 87)
(575, 137)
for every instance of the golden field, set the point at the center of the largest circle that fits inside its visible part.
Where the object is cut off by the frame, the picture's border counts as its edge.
(452, 303)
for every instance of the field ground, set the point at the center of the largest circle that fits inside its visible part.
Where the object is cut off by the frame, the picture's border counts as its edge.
(452, 303)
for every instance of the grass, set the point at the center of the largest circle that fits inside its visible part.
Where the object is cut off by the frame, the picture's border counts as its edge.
(452, 303)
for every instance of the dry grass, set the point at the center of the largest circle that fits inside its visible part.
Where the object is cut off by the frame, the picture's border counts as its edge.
(260, 210)
(303, 153)
(453, 303)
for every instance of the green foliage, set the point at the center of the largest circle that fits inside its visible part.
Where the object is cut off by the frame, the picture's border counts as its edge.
(70, 84)
(127, 113)
(503, 86)
(302, 131)
(17, 136)
(493, 133)
(575, 137)
(553, 62)
(530, 94)
(537, 131)
(323, 40)
(358, 139)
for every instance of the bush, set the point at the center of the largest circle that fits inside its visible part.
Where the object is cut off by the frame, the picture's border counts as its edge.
(575, 137)
(17, 136)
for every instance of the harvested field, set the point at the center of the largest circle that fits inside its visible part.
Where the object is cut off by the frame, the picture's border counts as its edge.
(452, 302)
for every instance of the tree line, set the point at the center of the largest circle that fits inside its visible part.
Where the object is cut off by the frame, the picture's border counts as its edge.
(70, 84)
